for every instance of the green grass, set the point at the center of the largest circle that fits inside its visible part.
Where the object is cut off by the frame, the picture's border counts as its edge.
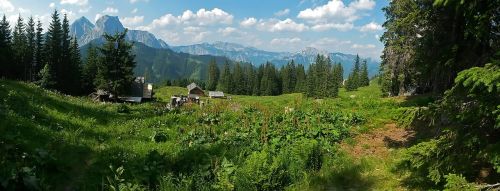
(62, 142)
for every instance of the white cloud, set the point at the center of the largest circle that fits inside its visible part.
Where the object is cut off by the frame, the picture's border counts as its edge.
(97, 16)
(285, 41)
(377, 37)
(282, 12)
(336, 10)
(363, 46)
(202, 17)
(6, 6)
(328, 26)
(134, 11)
(84, 10)
(75, 2)
(227, 31)
(132, 21)
(248, 22)
(288, 24)
(51, 5)
(22, 11)
(363, 4)
(135, 1)
(68, 13)
(371, 27)
(110, 10)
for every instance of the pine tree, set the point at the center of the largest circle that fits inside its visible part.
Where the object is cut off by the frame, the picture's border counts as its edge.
(65, 68)
(257, 80)
(38, 62)
(300, 85)
(225, 82)
(89, 70)
(115, 71)
(311, 81)
(364, 79)
(46, 78)
(238, 80)
(19, 47)
(353, 81)
(213, 75)
(5, 48)
(53, 51)
(339, 74)
(75, 70)
(249, 73)
(31, 47)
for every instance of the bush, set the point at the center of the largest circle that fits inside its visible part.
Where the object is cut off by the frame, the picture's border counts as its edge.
(122, 108)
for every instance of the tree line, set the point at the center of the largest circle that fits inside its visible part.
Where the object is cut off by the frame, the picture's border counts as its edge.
(53, 59)
(322, 79)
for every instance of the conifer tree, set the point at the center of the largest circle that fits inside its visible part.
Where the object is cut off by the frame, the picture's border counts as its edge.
(65, 68)
(5, 48)
(353, 81)
(238, 80)
(363, 76)
(19, 47)
(53, 52)
(213, 75)
(249, 73)
(30, 50)
(285, 77)
(38, 62)
(89, 70)
(311, 81)
(339, 74)
(257, 80)
(300, 85)
(225, 82)
(75, 70)
(115, 71)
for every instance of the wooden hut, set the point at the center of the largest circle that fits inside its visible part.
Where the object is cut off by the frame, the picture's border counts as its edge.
(194, 89)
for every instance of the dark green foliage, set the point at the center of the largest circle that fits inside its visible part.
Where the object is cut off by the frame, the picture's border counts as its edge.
(30, 72)
(89, 70)
(19, 47)
(238, 81)
(225, 82)
(115, 70)
(427, 43)
(321, 79)
(38, 58)
(213, 75)
(5, 48)
(469, 116)
(364, 80)
(53, 51)
(354, 80)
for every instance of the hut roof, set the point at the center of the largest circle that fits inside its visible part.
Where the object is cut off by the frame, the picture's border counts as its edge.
(192, 86)
(215, 94)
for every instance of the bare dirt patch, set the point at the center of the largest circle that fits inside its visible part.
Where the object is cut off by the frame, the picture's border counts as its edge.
(379, 142)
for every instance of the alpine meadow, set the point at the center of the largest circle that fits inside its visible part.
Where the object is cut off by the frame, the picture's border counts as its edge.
(270, 95)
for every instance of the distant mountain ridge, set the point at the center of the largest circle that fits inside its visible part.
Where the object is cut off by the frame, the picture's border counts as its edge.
(257, 57)
(87, 32)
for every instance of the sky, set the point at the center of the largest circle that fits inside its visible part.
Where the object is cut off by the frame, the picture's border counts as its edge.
(347, 26)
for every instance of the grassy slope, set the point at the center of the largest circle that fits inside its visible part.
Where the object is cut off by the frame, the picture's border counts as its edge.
(83, 138)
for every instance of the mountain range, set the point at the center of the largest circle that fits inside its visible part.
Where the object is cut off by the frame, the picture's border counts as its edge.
(161, 61)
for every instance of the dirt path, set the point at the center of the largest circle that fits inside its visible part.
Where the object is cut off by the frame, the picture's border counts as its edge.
(378, 142)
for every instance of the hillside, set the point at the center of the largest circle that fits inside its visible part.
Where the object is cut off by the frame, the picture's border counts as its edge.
(274, 142)
(165, 64)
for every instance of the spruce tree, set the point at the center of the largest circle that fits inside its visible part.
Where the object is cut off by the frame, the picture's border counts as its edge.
(225, 82)
(75, 70)
(364, 79)
(353, 81)
(5, 48)
(300, 84)
(339, 74)
(213, 75)
(249, 73)
(30, 51)
(38, 62)
(53, 51)
(65, 69)
(116, 70)
(19, 47)
(257, 80)
(238, 80)
(89, 70)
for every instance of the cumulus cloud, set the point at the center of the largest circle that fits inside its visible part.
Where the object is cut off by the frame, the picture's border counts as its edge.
(371, 27)
(282, 12)
(285, 41)
(336, 11)
(274, 25)
(84, 10)
(363, 46)
(135, 1)
(75, 2)
(6, 6)
(134, 11)
(248, 22)
(202, 17)
(51, 5)
(227, 31)
(68, 13)
(110, 10)
(328, 26)
(132, 21)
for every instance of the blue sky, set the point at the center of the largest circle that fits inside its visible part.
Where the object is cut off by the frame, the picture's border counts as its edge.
(348, 26)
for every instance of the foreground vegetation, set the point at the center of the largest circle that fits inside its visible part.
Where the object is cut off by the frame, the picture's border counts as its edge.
(59, 142)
